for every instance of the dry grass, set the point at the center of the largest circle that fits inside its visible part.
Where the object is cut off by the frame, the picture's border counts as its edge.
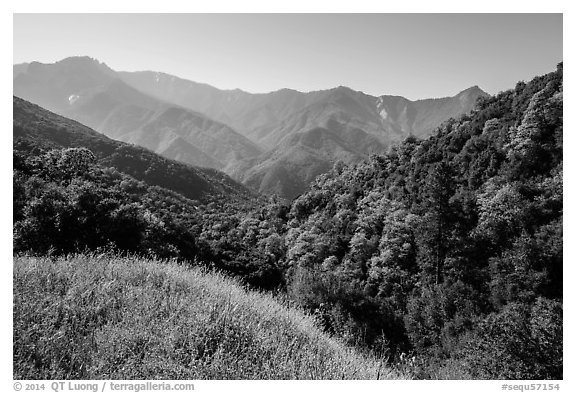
(99, 316)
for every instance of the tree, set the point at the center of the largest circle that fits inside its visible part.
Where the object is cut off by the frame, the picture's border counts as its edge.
(437, 219)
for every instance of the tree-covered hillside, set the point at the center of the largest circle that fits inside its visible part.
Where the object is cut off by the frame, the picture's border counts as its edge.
(449, 247)
(77, 190)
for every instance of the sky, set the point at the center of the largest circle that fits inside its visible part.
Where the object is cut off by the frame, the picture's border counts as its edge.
(412, 55)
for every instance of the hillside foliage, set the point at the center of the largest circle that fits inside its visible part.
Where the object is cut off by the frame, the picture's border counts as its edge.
(449, 247)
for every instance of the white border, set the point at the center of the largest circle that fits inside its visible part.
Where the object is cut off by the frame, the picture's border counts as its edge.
(247, 6)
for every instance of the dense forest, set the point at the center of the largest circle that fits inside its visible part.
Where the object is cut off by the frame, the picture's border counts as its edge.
(445, 251)
(451, 247)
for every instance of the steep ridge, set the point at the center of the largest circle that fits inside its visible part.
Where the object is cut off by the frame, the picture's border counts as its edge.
(241, 110)
(90, 92)
(300, 158)
(37, 128)
(417, 118)
(259, 115)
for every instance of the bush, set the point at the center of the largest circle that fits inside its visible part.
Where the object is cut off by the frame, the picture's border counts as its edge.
(520, 342)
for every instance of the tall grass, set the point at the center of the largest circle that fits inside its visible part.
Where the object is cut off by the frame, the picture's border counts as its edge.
(98, 316)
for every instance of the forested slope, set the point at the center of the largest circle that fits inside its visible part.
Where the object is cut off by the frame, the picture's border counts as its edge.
(449, 247)
(76, 190)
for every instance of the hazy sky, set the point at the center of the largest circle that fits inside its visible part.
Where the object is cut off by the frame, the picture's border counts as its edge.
(413, 55)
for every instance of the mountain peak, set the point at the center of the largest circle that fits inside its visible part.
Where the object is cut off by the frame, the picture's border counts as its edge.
(342, 88)
(84, 62)
(79, 60)
(473, 90)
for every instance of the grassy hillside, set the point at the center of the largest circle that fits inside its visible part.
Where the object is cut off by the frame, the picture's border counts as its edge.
(96, 317)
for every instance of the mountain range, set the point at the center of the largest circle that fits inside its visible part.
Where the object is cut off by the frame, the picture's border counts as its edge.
(37, 129)
(275, 143)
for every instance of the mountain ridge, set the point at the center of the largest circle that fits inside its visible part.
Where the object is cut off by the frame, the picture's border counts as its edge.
(90, 92)
(36, 127)
(146, 82)
(234, 130)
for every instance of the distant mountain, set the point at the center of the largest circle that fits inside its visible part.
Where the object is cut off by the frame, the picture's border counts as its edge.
(418, 118)
(37, 128)
(266, 118)
(255, 138)
(360, 124)
(19, 69)
(289, 168)
(241, 110)
(88, 91)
